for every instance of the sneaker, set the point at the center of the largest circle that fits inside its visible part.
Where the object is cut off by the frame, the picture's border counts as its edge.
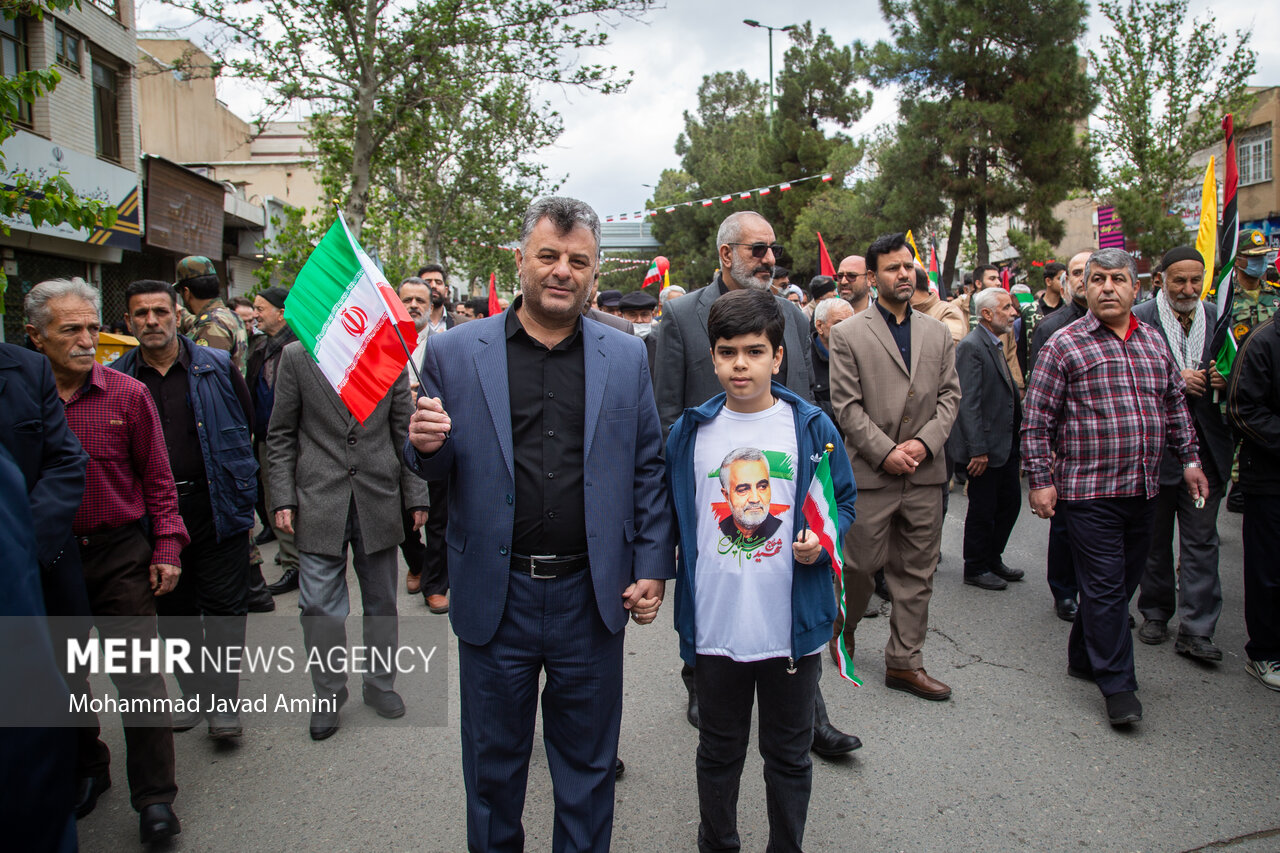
(1200, 648)
(1154, 631)
(1266, 671)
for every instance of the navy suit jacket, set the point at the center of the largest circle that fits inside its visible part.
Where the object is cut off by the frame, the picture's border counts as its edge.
(33, 426)
(630, 534)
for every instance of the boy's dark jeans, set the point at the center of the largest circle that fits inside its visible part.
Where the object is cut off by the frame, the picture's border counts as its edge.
(726, 689)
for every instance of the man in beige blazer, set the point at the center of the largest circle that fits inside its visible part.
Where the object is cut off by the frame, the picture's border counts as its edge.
(895, 393)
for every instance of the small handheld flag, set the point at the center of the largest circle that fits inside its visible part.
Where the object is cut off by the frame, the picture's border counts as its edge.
(1207, 236)
(351, 321)
(824, 259)
(822, 514)
(911, 241)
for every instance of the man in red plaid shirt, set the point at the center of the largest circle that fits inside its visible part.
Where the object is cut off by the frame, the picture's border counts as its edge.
(130, 537)
(1105, 401)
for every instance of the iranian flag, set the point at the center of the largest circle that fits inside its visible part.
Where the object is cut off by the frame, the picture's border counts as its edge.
(351, 321)
(822, 514)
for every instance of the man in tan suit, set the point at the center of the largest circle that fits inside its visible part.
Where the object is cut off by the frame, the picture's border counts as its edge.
(895, 393)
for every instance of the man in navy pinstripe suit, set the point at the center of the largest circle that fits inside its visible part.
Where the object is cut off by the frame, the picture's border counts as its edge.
(553, 537)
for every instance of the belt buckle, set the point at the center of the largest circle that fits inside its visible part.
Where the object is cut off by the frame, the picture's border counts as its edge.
(533, 562)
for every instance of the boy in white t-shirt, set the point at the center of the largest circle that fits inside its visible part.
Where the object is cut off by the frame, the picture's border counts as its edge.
(754, 605)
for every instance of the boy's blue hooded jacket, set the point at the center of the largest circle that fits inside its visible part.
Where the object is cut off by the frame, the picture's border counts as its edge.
(813, 602)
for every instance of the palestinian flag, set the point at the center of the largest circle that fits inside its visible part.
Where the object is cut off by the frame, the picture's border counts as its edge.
(351, 321)
(1224, 342)
(823, 517)
(933, 268)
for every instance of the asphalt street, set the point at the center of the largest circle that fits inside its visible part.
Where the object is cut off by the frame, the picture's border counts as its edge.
(1021, 758)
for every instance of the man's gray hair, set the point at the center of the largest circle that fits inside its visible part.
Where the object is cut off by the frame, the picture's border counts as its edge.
(565, 214)
(987, 299)
(742, 454)
(731, 229)
(413, 279)
(37, 302)
(1112, 259)
(668, 292)
(823, 308)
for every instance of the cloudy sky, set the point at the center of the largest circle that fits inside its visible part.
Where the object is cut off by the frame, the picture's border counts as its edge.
(613, 145)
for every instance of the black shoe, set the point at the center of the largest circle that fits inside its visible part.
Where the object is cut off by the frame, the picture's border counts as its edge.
(88, 789)
(325, 723)
(828, 741)
(187, 719)
(986, 580)
(1123, 708)
(1200, 648)
(157, 822)
(1153, 631)
(267, 535)
(882, 588)
(1011, 575)
(262, 603)
(618, 768)
(288, 583)
(1132, 623)
(387, 703)
(1066, 609)
(222, 726)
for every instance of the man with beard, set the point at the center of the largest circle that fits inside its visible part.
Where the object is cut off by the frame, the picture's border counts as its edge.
(1187, 324)
(441, 318)
(744, 482)
(895, 392)
(851, 279)
(1059, 568)
(686, 377)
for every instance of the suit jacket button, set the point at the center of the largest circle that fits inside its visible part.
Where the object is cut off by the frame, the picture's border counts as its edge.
(503, 550)
(907, 420)
(351, 439)
(351, 471)
(510, 500)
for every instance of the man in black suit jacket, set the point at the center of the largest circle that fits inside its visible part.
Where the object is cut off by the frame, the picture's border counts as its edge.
(986, 436)
(1187, 324)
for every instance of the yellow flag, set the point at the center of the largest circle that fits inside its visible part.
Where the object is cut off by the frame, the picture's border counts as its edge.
(911, 240)
(1207, 237)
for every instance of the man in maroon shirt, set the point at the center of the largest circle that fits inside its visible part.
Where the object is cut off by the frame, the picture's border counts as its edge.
(1104, 403)
(129, 533)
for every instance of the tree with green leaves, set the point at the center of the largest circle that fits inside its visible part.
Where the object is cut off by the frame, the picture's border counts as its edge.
(377, 72)
(49, 200)
(1165, 82)
(992, 94)
(729, 145)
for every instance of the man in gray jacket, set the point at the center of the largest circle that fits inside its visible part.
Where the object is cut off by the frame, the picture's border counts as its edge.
(336, 481)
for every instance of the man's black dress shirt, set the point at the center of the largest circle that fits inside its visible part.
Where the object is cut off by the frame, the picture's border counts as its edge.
(901, 332)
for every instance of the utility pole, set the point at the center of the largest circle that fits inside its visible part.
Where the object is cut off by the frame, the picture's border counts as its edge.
(787, 28)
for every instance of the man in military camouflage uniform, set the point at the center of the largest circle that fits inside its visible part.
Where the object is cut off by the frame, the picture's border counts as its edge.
(215, 325)
(1255, 300)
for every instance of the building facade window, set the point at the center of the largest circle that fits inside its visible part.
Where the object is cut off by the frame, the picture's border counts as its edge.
(66, 48)
(106, 110)
(111, 7)
(1253, 155)
(13, 58)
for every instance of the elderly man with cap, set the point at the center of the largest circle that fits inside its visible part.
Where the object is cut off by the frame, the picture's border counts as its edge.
(607, 301)
(215, 324)
(637, 309)
(1186, 323)
(264, 365)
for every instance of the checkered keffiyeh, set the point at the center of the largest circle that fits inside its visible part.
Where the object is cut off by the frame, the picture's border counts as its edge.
(1101, 410)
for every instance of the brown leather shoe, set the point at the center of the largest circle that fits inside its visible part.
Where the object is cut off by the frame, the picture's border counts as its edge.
(438, 603)
(413, 584)
(918, 682)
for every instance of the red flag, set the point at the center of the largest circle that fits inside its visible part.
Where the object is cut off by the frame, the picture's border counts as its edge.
(824, 260)
(1004, 278)
(494, 308)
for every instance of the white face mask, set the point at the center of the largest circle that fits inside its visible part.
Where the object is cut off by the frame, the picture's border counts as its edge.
(642, 329)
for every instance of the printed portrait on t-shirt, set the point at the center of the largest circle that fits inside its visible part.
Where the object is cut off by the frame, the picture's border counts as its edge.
(750, 521)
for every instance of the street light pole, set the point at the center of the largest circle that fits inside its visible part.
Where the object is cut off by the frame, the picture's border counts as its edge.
(787, 28)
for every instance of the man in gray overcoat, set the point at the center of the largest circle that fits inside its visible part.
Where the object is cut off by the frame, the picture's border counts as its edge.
(334, 482)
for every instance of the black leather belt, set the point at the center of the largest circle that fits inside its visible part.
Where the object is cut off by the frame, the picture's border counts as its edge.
(191, 487)
(548, 566)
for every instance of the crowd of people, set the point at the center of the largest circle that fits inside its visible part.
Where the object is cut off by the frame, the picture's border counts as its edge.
(569, 456)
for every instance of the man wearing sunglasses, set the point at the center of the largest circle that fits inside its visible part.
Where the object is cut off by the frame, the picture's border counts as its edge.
(851, 281)
(684, 376)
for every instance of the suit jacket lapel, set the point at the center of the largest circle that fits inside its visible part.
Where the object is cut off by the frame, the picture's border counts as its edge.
(596, 363)
(995, 351)
(709, 294)
(328, 391)
(491, 373)
(881, 331)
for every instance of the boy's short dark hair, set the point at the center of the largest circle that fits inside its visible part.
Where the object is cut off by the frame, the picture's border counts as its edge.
(479, 306)
(149, 285)
(745, 312)
(1052, 269)
(883, 246)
